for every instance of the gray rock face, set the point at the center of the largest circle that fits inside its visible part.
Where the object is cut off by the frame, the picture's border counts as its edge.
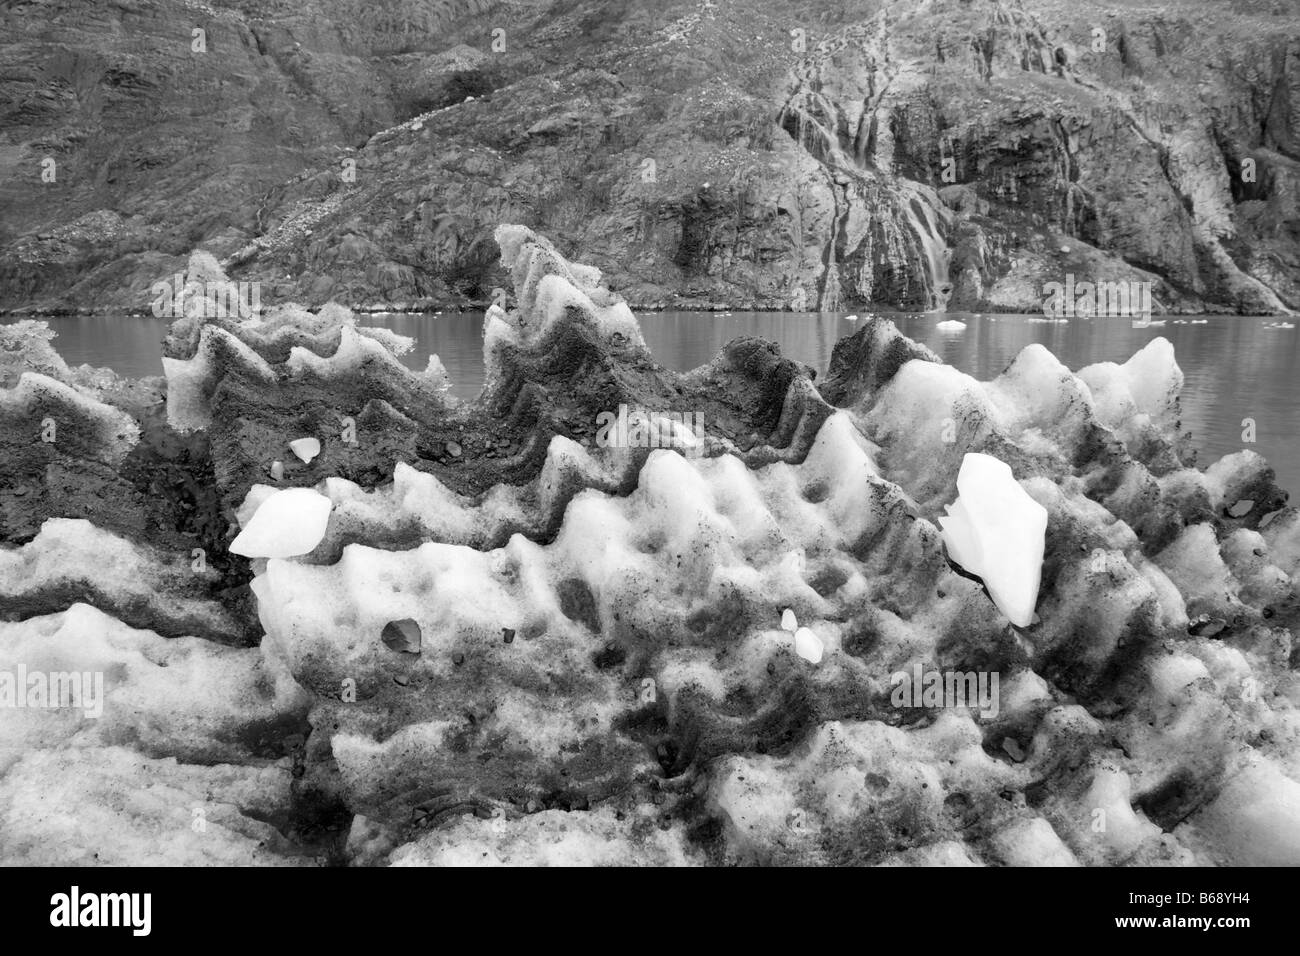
(957, 154)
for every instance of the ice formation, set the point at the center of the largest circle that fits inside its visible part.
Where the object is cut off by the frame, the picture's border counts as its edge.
(996, 531)
(808, 645)
(464, 632)
(305, 448)
(286, 524)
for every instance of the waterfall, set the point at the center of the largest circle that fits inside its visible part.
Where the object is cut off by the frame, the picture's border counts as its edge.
(924, 224)
(916, 230)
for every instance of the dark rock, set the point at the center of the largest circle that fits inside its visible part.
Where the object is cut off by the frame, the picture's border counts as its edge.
(402, 636)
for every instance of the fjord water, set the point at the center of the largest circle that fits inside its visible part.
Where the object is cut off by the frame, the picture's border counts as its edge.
(1235, 367)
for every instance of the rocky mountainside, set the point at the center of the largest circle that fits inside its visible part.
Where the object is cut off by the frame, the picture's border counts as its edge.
(755, 153)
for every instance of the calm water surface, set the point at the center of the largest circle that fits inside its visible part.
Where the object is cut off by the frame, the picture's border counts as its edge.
(1234, 367)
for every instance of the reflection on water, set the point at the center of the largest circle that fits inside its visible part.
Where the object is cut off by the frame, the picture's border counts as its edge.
(1235, 367)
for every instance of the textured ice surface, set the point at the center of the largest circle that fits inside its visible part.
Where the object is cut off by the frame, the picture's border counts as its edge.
(47, 406)
(485, 639)
(137, 583)
(200, 350)
(601, 837)
(173, 770)
(191, 382)
(129, 809)
(184, 697)
(995, 530)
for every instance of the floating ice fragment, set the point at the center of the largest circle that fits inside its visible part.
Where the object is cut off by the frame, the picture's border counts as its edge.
(288, 523)
(850, 318)
(951, 325)
(996, 531)
(402, 636)
(277, 470)
(305, 448)
(788, 621)
(808, 645)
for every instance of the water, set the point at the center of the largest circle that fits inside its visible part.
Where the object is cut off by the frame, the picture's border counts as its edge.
(1235, 367)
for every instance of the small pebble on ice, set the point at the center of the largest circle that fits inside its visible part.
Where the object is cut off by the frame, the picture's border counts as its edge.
(788, 621)
(402, 636)
(305, 448)
(285, 525)
(808, 645)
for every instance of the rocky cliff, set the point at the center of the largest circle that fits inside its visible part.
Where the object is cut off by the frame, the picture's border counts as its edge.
(936, 154)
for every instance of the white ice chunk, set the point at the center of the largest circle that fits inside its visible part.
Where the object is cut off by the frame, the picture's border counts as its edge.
(1032, 842)
(288, 523)
(1124, 829)
(808, 645)
(788, 621)
(1255, 820)
(996, 531)
(1147, 384)
(305, 448)
(951, 325)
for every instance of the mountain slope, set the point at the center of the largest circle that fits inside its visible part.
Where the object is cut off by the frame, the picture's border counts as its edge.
(956, 153)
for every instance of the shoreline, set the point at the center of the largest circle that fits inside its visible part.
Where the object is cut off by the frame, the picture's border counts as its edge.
(637, 309)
